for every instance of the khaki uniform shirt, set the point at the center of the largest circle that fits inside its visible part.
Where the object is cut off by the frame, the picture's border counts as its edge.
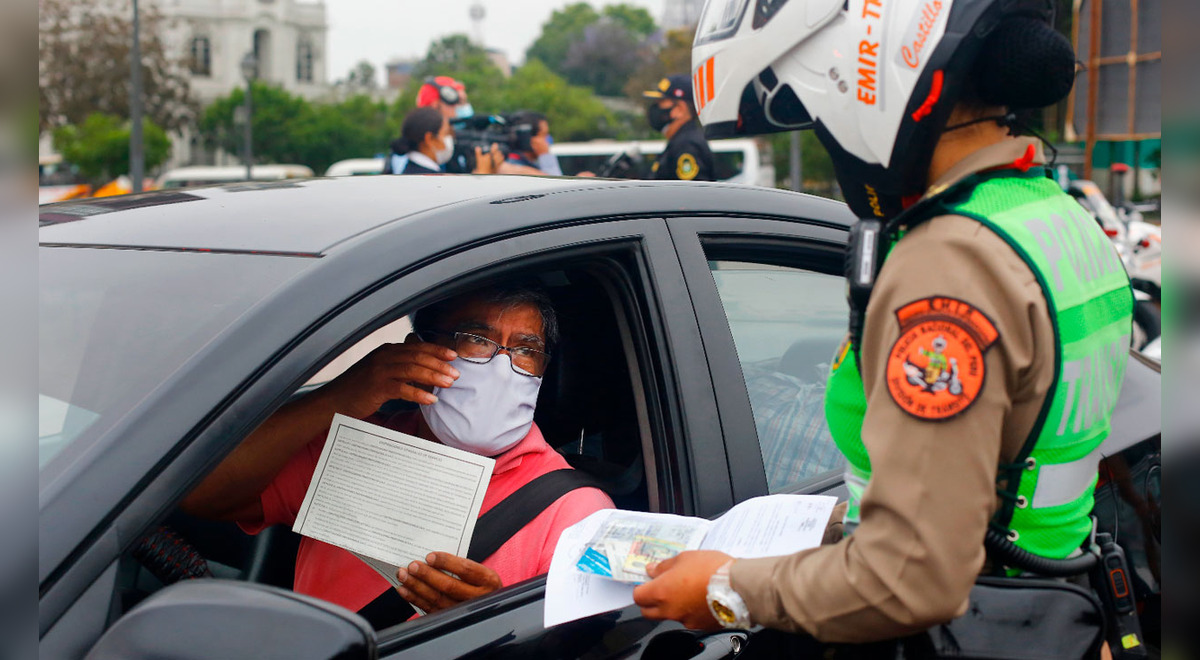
(919, 547)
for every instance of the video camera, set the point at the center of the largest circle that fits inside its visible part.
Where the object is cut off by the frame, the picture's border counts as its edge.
(483, 131)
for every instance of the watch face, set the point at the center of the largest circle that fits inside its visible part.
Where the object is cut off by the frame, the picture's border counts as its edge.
(724, 614)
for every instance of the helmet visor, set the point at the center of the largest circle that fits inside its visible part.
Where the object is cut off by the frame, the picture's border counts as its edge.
(719, 20)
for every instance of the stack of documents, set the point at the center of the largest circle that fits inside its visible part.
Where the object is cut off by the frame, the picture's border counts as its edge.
(599, 560)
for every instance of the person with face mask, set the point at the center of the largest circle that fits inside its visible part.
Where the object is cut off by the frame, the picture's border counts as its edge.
(536, 159)
(449, 97)
(976, 288)
(426, 144)
(672, 113)
(474, 365)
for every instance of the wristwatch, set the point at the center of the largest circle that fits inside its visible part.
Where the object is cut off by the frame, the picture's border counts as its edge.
(725, 604)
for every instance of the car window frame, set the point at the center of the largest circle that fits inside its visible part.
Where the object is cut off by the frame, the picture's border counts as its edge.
(190, 457)
(760, 240)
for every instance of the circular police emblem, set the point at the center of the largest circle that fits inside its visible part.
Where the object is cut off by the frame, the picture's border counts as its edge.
(686, 167)
(936, 368)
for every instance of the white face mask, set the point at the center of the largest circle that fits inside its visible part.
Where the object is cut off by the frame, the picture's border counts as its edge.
(487, 411)
(443, 155)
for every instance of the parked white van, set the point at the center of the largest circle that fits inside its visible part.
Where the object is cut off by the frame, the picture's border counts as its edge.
(205, 175)
(738, 160)
(356, 167)
(745, 161)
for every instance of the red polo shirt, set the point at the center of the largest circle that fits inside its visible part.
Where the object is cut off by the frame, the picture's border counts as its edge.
(333, 574)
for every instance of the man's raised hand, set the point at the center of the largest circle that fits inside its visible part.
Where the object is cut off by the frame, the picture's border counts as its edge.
(392, 371)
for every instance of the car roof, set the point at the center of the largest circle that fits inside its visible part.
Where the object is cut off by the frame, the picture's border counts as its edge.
(312, 216)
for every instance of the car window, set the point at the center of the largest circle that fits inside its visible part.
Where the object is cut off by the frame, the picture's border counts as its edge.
(786, 325)
(114, 324)
(392, 333)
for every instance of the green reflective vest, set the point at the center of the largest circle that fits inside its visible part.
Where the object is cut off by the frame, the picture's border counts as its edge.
(1047, 492)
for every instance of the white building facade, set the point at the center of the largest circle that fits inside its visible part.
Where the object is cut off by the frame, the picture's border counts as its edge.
(287, 36)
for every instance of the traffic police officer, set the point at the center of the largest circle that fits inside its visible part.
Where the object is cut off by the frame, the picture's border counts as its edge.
(984, 359)
(672, 113)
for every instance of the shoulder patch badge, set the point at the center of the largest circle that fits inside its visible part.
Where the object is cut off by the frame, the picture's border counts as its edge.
(686, 167)
(935, 370)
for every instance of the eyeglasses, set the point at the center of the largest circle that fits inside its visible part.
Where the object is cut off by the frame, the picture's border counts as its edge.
(526, 361)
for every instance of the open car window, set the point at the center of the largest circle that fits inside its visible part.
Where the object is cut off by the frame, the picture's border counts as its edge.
(596, 407)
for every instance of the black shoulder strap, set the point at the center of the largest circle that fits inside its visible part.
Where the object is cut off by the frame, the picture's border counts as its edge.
(519, 509)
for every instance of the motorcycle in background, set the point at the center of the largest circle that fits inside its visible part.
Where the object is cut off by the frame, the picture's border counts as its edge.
(1139, 244)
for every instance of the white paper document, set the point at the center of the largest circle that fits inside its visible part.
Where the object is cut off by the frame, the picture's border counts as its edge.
(392, 498)
(599, 560)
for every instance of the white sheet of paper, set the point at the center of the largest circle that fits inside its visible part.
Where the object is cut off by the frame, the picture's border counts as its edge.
(572, 594)
(770, 526)
(391, 496)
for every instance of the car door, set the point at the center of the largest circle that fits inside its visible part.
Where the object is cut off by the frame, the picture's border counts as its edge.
(687, 446)
(508, 623)
(770, 301)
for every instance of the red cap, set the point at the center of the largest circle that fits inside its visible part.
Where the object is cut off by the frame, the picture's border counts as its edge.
(441, 88)
(1119, 168)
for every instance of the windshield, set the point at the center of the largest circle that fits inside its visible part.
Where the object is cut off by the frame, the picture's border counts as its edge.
(720, 20)
(114, 324)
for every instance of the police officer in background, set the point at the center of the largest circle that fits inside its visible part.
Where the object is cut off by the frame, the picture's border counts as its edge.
(672, 113)
(990, 317)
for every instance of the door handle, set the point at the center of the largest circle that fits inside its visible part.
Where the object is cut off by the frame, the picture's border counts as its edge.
(721, 645)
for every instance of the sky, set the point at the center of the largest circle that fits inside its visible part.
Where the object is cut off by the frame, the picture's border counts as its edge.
(380, 30)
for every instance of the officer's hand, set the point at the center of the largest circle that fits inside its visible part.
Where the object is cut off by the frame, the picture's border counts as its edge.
(679, 589)
(425, 585)
(392, 371)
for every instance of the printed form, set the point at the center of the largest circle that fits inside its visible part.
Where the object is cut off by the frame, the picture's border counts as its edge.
(392, 498)
(599, 560)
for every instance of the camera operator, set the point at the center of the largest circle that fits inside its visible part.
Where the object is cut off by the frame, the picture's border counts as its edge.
(526, 155)
(446, 94)
(427, 142)
(449, 97)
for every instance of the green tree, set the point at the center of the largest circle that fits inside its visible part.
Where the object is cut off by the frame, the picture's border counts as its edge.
(278, 116)
(289, 129)
(354, 128)
(558, 33)
(456, 56)
(816, 166)
(636, 19)
(594, 49)
(574, 112)
(83, 64)
(99, 146)
(606, 55)
(673, 56)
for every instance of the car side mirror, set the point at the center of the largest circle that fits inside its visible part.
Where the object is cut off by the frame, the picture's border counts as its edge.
(208, 618)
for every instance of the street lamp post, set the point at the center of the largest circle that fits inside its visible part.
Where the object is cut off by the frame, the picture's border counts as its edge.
(137, 158)
(249, 72)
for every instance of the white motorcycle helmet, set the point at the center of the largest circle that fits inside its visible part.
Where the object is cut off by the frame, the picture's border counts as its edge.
(876, 79)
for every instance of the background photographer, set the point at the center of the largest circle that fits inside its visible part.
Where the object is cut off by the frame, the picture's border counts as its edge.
(527, 153)
(449, 97)
(427, 143)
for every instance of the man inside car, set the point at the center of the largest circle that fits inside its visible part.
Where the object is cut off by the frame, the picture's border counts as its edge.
(474, 366)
